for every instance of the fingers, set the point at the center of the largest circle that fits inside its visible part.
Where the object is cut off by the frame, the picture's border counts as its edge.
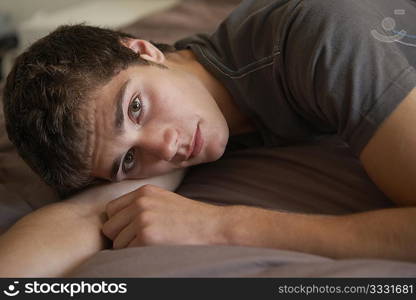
(128, 211)
(135, 243)
(118, 221)
(114, 206)
(125, 237)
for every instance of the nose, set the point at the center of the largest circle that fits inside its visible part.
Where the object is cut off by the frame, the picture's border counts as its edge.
(162, 143)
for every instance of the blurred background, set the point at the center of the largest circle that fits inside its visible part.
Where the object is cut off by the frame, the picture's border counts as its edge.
(24, 21)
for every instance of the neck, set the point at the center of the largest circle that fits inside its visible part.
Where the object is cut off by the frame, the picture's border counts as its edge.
(237, 121)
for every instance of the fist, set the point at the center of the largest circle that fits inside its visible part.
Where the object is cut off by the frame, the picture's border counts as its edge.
(151, 215)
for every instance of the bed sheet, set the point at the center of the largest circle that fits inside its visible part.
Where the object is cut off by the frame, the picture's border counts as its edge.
(320, 177)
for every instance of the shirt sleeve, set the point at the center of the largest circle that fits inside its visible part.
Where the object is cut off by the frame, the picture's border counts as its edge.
(339, 76)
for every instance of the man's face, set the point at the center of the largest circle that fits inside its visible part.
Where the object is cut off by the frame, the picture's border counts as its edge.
(146, 119)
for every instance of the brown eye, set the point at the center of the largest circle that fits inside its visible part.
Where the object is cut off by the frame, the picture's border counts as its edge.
(136, 105)
(136, 109)
(128, 161)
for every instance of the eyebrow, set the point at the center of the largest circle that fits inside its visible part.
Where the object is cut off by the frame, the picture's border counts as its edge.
(115, 167)
(119, 117)
(118, 126)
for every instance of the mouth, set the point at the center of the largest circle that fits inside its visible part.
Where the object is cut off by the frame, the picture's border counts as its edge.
(197, 144)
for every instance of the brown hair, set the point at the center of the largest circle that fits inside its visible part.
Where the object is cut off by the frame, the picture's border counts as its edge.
(48, 115)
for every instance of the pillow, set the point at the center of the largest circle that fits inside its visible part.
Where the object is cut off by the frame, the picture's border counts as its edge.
(317, 177)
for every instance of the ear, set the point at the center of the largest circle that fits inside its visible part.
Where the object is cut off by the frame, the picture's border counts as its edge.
(146, 49)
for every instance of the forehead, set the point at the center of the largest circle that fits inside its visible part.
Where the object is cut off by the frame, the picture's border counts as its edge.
(136, 74)
(105, 99)
(107, 91)
(108, 96)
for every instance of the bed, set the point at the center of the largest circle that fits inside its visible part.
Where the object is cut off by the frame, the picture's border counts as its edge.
(322, 177)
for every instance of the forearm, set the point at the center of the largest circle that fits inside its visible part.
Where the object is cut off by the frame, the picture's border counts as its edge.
(387, 233)
(50, 241)
(54, 239)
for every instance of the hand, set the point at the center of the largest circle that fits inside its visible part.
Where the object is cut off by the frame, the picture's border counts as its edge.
(151, 215)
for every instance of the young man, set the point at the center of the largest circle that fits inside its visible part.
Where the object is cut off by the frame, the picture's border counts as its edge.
(275, 72)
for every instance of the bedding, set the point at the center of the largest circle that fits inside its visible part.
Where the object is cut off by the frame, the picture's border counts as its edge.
(322, 177)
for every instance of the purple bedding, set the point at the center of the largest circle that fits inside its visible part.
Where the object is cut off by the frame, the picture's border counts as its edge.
(321, 177)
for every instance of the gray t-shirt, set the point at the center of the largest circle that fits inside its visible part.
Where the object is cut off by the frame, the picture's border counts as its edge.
(306, 68)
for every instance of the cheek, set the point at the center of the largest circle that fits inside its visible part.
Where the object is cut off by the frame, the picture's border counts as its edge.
(157, 169)
(150, 166)
(165, 106)
(183, 99)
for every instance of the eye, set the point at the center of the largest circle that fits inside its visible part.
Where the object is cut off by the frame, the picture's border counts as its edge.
(128, 161)
(136, 107)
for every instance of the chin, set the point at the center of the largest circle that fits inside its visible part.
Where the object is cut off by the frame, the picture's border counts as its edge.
(217, 150)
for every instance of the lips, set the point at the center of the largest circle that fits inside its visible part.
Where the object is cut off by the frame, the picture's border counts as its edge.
(196, 144)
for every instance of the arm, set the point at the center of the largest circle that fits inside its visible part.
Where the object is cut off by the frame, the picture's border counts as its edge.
(153, 216)
(390, 156)
(347, 84)
(384, 234)
(54, 239)
(390, 161)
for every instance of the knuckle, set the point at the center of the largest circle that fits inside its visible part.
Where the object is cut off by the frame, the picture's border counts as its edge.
(144, 218)
(149, 236)
(142, 202)
(147, 188)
